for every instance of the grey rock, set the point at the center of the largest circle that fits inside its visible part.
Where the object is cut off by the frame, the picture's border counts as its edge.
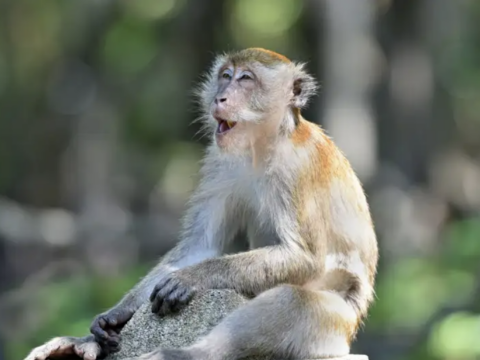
(146, 331)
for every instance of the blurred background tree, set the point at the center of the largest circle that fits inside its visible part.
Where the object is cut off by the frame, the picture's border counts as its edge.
(98, 154)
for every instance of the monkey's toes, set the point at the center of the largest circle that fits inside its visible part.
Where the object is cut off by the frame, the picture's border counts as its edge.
(88, 350)
(98, 329)
(110, 346)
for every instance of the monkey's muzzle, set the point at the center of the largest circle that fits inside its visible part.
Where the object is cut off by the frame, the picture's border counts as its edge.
(224, 125)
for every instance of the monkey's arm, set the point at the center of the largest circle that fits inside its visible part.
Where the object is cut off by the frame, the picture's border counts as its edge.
(249, 273)
(203, 237)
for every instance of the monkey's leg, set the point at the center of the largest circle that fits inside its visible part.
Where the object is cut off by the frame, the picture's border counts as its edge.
(286, 322)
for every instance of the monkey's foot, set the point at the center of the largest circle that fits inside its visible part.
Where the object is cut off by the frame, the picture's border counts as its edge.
(67, 347)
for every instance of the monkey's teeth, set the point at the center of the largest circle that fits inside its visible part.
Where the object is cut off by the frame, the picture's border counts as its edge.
(225, 125)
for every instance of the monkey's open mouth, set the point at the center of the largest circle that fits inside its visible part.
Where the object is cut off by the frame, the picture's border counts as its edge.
(224, 125)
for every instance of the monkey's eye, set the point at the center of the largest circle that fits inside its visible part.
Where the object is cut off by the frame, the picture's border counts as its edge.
(246, 77)
(226, 75)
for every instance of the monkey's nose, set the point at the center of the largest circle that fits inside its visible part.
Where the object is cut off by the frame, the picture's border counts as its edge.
(220, 100)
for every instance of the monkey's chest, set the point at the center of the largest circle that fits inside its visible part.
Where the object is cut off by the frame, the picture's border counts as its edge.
(265, 208)
(260, 236)
(261, 223)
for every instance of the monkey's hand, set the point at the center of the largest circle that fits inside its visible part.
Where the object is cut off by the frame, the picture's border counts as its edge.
(173, 292)
(67, 347)
(106, 328)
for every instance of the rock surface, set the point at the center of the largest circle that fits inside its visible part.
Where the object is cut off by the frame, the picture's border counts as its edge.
(146, 331)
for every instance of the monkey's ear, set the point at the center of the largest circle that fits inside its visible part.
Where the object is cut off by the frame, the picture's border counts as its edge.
(304, 87)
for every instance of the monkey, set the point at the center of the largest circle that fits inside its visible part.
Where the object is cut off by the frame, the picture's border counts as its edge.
(310, 267)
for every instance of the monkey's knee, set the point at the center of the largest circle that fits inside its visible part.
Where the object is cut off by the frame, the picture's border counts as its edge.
(261, 327)
(285, 321)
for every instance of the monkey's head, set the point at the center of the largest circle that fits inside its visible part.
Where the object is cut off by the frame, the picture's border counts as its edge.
(253, 94)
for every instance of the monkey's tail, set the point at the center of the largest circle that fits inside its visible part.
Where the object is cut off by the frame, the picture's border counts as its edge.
(354, 288)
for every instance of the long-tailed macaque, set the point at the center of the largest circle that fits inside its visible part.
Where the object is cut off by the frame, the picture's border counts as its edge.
(312, 258)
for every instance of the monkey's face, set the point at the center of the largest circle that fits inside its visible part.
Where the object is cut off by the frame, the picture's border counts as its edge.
(248, 95)
(247, 100)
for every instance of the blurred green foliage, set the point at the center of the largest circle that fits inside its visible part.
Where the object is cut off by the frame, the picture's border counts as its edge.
(413, 290)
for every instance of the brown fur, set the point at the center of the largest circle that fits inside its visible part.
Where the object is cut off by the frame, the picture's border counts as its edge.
(263, 56)
(314, 185)
(302, 133)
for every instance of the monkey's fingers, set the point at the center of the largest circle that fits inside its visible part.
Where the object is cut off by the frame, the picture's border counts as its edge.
(56, 348)
(160, 292)
(160, 285)
(173, 300)
(160, 305)
(169, 289)
(177, 299)
(157, 304)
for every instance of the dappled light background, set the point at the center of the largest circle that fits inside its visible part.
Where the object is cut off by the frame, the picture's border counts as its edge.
(98, 152)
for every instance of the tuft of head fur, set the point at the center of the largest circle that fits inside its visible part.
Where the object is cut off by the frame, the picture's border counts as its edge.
(263, 56)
